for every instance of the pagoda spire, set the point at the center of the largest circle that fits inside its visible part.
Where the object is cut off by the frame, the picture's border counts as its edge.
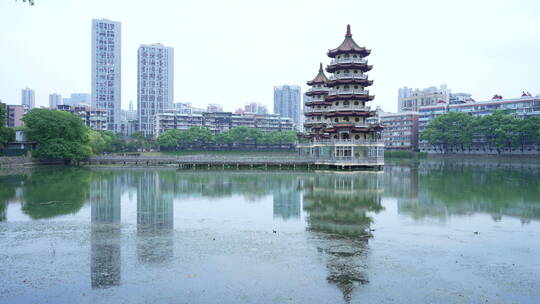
(320, 68)
(348, 31)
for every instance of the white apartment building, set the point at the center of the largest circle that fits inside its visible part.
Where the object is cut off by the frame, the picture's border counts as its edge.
(28, 98)
(106, 70)
(78, 99)
(411, 99)
(55, 100)
(155, 84)
(96, 119)
(218, 122)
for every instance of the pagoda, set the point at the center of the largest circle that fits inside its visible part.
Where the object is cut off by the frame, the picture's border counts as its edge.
(316, 106)
(338, 127)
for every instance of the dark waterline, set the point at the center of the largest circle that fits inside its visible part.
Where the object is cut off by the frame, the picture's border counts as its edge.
(433, 231)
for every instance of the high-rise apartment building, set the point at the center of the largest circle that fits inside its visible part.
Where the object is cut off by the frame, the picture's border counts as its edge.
(400, 130)
(255, 108)
(28, 98)
(78, 99)
(155, 82)
(214, 107)
(15, 114)
(287, 103)
(412, 100)
(55, 100)
(106, 70)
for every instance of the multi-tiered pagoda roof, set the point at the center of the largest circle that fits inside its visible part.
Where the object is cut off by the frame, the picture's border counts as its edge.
(349, 46)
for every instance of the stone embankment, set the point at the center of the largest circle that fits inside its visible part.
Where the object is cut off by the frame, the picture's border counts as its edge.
(229, 161)
(25, 162)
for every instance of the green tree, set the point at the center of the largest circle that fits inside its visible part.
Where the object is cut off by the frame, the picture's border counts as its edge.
(198, 135)
(287, 137)
(528, 131)
(96, 141)
(224, 138)
(141, 141)
(59, 134)
(3, 114)
(6, 134)
(499, 129)
(169, 139)
(451, 129)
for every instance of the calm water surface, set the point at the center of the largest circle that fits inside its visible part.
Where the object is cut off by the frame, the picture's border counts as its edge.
(438, 231)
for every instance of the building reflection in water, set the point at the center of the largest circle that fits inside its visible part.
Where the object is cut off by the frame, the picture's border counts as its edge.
(106, 232)
(287, 204)
(287, 199)
(337, 207)
(154, 218)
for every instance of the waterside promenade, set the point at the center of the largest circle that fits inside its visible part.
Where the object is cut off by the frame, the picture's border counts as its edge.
(202, 161)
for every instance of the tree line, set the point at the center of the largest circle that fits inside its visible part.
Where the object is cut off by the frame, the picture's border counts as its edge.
(235, 138)
(499, 130)
(62, 135)
(6, 134)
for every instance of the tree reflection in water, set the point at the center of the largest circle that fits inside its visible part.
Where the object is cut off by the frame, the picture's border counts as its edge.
(337, 207)
(442, 188)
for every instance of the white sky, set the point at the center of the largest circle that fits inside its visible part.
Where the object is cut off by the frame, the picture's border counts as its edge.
(233, 52)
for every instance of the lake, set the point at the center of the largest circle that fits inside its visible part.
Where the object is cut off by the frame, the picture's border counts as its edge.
(432, 231)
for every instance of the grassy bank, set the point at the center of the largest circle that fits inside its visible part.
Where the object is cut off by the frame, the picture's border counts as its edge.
(404, 154)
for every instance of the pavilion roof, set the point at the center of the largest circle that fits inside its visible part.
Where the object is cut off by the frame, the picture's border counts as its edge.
(320, 78)
(348, 45)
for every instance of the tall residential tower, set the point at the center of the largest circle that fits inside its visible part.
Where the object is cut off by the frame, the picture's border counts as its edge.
(155, 82)
(28, 98)
(106, 70)
(55, 100)
(287, 103)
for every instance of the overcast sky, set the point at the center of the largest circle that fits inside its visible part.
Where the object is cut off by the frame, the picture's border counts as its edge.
(234, 52)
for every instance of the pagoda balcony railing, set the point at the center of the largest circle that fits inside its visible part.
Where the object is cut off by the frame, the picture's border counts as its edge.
(348, 92)
(320, 89)
(347, 108)
(338, 108)
(348, 60)
(348, 76)
(315, 99)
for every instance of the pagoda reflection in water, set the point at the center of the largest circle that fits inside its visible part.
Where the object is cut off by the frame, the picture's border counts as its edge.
(337, 209)
(105, 263)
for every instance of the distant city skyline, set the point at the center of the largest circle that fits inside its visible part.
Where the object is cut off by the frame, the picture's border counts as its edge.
(491, 50)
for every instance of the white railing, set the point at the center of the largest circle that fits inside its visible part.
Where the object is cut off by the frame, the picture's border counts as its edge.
(315, 99)
(368, 160)
(320, 89)
(337, 108)
(348, 60)
(348, 76)
(348, 92)
(346, 108)
(348, 141)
